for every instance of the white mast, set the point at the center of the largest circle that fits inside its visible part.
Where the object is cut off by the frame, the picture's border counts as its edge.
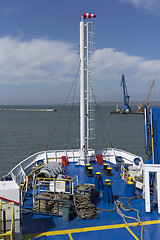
(84, 88)
(82, 95)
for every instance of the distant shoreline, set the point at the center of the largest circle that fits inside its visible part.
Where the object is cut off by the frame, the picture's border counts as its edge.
(29, 110)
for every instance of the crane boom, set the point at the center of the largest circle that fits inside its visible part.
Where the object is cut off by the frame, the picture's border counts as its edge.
(125, 95)
(147, 101)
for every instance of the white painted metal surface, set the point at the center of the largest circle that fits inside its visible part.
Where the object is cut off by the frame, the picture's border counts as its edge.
(57, 186)
(86, 115)
(151, 168)
(9, 190)
(82, 92)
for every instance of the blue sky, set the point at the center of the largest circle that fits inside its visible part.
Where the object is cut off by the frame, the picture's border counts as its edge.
(39, 49)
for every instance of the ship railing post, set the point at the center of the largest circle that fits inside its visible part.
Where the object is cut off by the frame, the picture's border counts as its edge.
(158, 190)
(147, 190)
(151, 168)
(72, 187)
(26, 183)
(45, 155)
(114, 156)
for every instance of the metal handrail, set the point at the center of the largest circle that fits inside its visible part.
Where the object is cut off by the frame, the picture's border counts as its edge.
(55, 179)
(33, 171)
(58, 158)
(126, 171)
(11, 231)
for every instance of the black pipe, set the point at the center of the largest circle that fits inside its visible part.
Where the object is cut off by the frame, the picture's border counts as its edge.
(4, 221)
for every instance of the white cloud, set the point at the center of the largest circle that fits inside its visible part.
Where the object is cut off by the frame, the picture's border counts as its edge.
(55, 63)
(111, 64)
(36, 61)
(108, 60)
(150, 6)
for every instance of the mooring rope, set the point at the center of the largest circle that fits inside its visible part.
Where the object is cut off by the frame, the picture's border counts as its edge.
(119, 205)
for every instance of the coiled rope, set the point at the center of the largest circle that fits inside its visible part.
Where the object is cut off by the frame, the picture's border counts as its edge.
(84, 207)
(50, 202)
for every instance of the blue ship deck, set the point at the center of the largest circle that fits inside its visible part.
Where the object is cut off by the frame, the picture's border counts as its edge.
(109, 225)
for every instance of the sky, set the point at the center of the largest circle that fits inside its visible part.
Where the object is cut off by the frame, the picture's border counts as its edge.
(39, 49)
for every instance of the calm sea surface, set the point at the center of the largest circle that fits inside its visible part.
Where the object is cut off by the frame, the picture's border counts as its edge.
(24, 133)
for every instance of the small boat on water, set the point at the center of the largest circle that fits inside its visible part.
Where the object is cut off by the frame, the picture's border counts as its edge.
(84, 193)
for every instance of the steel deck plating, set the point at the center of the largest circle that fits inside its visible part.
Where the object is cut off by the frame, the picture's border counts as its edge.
(109, 225)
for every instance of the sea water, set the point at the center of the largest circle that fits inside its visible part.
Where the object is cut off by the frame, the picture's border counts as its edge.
(23, 133)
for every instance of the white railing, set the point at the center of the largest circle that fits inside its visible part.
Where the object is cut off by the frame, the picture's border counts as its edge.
(151, 168)
(55, 185)
(23, 169)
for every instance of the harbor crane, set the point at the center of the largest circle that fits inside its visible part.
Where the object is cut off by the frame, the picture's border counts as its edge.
(141, 108)
(147, 101)
(125, 95)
